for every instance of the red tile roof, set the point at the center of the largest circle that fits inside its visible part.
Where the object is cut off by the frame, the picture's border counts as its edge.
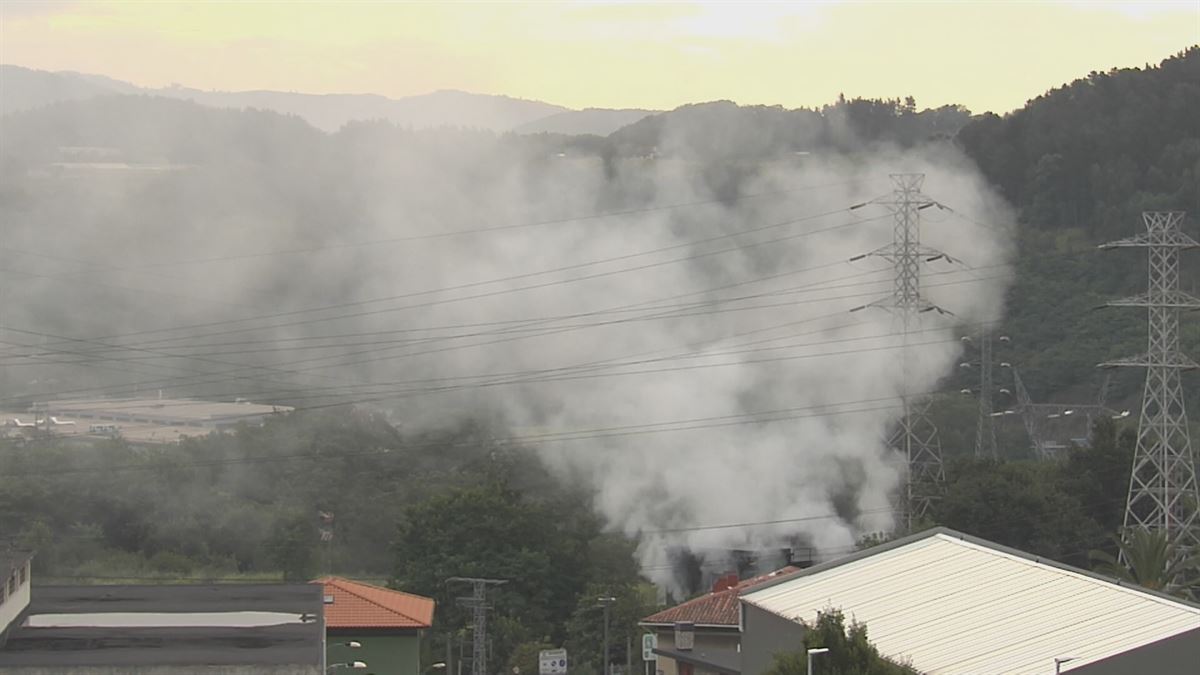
(719, 608)
(359, 605)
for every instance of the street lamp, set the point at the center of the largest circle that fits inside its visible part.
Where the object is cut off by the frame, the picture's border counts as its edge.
(606, 602)
(1059, 660)
(352, 644)
(352, 665)
(811, 654)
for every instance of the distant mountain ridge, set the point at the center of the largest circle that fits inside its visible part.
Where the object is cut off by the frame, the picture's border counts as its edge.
(24, 88)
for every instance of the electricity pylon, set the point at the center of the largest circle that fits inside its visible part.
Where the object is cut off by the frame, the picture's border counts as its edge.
(985, 425)
(916, 438)
(1162, 489)
(477, 603)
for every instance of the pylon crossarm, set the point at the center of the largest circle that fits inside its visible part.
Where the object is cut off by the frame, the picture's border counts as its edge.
(1168, 360)
(1170, 299)
(1145, 240)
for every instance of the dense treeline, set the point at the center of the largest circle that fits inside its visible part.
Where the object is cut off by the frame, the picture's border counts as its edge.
(1080, 164)
(409, 510)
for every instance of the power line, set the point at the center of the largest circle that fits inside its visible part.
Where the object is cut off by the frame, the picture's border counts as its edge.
(361, 361)
(514, 277)
(493, 228)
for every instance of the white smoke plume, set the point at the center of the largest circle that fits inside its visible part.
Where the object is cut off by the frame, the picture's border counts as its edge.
(699, 345)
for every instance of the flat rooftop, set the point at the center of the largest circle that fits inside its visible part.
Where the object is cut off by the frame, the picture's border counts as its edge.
(161, 411)
(180, 625)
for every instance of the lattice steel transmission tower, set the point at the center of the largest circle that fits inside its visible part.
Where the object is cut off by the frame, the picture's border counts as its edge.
(985, 425)
(1163, 494)
(916, 438)
(477, 603)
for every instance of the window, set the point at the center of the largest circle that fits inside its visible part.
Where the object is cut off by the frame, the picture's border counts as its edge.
(12, 584)
(21, 573)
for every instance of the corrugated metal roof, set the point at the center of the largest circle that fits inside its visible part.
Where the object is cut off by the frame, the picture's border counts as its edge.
(955, 605)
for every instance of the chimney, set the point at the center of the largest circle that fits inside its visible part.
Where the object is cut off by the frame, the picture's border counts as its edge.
(725, 582)
(685, 635)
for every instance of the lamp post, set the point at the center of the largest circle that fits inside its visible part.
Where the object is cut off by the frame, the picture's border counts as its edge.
(811, 654)
(352, 665)
(606, 602)
(1059, 660)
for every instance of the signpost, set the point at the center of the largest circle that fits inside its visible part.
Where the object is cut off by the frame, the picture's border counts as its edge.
(649, 643)
(552, 662)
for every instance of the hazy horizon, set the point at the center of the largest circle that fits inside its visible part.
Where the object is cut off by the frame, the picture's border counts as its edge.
(599, 55)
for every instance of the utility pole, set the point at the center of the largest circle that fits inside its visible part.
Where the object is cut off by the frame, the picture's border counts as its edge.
(477, 602)
(916, 438)
(1163, 495)
(606, 602)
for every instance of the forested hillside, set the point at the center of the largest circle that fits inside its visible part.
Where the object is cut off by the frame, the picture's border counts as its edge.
(1081, 163)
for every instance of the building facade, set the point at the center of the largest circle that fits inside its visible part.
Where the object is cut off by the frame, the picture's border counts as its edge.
(381, 627)
(701, 636)
(233, 629)
(14, 589)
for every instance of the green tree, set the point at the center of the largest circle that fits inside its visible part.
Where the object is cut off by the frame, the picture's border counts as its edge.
(491, 530)
(1148, 559)
(293, 547)
(585, 630)
(850, 652)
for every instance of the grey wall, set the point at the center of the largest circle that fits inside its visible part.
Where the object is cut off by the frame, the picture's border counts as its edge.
(1179, 655)
(764, 635)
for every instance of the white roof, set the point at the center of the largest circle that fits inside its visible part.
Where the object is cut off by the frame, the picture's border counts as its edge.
(949, 605)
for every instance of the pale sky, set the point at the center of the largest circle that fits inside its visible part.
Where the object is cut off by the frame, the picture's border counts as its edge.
(988, 55)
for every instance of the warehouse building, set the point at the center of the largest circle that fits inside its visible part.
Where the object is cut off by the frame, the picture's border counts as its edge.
(234, 629)
(946, 603)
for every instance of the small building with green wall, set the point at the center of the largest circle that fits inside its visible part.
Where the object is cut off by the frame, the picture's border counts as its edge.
(377, 626)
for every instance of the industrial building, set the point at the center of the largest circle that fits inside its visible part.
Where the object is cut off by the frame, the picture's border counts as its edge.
(264, 629)
(946, 603)
(14, 589)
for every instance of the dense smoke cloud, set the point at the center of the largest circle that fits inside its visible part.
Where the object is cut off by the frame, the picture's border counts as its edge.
(700, 342)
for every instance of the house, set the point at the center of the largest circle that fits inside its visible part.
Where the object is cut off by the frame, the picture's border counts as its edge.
(236, 629)
(710, 622)
(946, 603)
(386, 625)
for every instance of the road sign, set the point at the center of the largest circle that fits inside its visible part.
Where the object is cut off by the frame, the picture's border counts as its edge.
(552, 662)
(649, 643)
